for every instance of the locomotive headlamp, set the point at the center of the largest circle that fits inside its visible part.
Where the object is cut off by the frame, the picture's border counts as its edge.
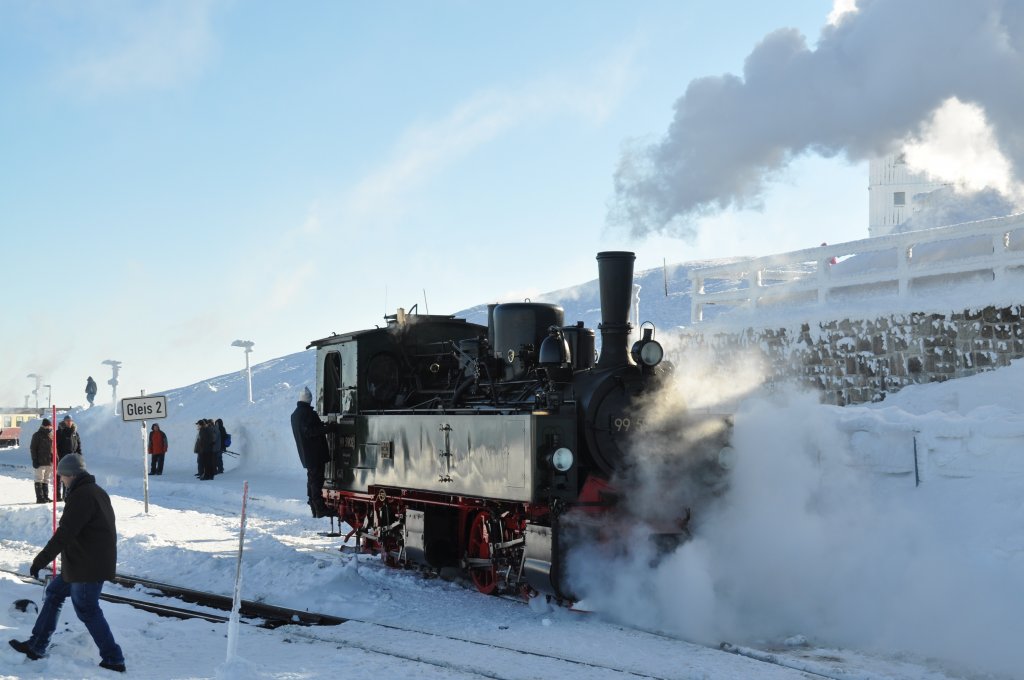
(647, 351)
(562, 459)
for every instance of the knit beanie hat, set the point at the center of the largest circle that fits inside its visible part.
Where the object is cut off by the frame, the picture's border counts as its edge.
(306, 396)
(71, 465)
(46, 422)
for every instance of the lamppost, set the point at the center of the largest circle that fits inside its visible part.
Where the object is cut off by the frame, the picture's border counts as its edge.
(39, 382)
(49, 394)
(247, 346)
(115, 366)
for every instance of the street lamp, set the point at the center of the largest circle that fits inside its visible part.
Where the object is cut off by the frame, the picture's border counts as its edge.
(247, 346)
(115, 366)
(39, 381)
(49, 393)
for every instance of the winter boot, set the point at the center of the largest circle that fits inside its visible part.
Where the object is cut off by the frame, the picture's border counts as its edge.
(24, 648)
(40, 490)
(60, 491)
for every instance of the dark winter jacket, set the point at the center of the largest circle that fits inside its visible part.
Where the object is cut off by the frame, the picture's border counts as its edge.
(68, 440)
(216, 437)
(310, 436)
(90, 387)
(42, 447)
(157, 441)
(206, 439)
(222, 433)
(86, 537)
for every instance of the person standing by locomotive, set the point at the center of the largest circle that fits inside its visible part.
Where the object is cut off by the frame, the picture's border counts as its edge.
(90, 390)
(157, 449)
(86, 540)
(41, 449)
(68, 442)
(311, 442)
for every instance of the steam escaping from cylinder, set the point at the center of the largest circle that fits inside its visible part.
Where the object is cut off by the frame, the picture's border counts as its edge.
(804, 544)
(615, 273)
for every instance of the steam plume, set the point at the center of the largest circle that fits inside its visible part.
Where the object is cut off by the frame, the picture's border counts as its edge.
(871, 85)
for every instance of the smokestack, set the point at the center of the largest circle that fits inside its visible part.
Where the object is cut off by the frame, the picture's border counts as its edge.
(615, 273)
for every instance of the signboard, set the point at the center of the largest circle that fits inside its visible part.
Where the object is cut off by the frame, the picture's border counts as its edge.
(143, 408)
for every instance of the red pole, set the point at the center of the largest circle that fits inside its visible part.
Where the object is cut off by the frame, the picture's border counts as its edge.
(56, 480)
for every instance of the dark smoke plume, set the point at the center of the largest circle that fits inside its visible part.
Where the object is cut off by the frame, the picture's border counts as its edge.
(870, 83)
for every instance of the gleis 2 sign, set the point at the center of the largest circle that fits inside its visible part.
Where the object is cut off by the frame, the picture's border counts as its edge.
(143, 408)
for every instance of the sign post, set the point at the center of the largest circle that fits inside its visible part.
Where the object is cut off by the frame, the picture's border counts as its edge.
(56, 478)
(140, 408)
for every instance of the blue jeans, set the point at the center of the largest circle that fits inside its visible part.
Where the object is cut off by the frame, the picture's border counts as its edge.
(86, 599)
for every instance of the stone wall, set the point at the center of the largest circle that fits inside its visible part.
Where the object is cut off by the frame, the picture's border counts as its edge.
(854, 361)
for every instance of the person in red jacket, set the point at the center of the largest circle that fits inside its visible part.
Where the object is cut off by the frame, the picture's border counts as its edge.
(157, 449)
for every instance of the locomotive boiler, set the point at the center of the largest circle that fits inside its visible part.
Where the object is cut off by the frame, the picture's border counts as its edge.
(455, 444)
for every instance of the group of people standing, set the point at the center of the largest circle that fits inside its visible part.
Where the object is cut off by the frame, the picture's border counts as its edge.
(212, 441)
(41, 448)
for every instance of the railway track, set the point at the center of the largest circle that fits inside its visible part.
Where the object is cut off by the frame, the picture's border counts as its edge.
(451, 653)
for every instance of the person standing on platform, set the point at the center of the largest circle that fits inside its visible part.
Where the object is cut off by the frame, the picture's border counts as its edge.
(311, 441)
(68, 441)
(222, 446)
(157, 449)
(41, 449)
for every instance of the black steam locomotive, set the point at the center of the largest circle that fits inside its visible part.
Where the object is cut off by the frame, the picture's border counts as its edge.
(492, 449)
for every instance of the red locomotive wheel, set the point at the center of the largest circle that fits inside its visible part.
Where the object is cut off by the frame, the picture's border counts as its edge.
(485, 577)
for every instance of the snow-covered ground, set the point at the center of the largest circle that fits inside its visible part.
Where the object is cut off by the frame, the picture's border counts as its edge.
(884, 541)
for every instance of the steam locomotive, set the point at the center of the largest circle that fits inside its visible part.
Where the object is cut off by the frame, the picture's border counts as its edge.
(493, 449)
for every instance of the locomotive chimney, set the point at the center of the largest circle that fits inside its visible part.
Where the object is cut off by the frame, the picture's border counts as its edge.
(615, 272)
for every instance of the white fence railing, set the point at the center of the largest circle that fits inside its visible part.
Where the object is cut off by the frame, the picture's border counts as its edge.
(886, 265)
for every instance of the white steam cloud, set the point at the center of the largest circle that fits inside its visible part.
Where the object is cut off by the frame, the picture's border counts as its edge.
(802, 543)
(882, 76)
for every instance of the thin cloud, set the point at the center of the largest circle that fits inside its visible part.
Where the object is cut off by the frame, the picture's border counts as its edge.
(429, 148)
(140, 46)
(289, 285)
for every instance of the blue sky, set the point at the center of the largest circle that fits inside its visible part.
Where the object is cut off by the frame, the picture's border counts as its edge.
(176, 175)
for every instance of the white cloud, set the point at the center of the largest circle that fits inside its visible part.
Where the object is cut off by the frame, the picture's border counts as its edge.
(147, 45)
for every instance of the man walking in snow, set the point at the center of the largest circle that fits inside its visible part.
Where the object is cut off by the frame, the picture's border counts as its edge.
(86, 540)
(311, 441)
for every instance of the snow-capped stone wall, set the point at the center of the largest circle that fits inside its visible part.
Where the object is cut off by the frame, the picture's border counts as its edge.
(855, 361)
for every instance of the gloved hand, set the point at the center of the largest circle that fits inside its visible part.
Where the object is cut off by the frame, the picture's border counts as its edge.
(36, 567)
